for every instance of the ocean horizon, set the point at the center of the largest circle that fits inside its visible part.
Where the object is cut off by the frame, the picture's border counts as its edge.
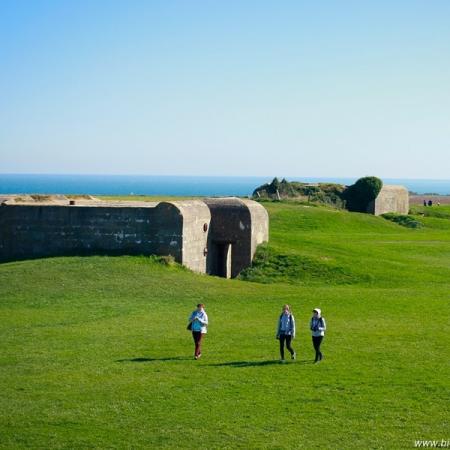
(177, 185)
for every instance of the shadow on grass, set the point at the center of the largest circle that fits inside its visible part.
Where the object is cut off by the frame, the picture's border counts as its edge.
(270, 362)
(140, 360)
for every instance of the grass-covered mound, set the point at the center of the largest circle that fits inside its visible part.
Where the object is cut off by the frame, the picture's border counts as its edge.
(324, 193)
(272, 267)
(356, 197)
(95, 354)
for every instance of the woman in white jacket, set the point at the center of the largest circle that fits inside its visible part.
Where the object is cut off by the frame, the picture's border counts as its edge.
(198, 323)
(317, 326)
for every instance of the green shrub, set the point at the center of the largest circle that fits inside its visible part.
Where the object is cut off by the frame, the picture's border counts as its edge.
(165, 260)
(403, 220)
(269, 190)
(359, 195)
(326, 193)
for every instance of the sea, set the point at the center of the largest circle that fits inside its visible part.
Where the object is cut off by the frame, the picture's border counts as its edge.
(176, 185)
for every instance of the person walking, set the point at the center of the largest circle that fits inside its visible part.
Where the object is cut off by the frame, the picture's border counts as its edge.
(286, 331)
(198, 323)
(317, 326)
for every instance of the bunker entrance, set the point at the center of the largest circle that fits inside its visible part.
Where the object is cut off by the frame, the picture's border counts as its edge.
(221, 263)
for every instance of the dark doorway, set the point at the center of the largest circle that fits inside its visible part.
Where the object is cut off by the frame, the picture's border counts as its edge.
(221, 259)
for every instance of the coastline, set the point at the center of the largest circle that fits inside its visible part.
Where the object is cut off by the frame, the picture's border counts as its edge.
(174, 186)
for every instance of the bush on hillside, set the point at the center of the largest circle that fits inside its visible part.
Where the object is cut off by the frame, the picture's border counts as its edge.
(327, 193)
(359, 195)
(269, 190)
(165, 260)
(403, 220)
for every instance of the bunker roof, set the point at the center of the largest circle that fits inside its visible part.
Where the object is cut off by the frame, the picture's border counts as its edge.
(61, 200)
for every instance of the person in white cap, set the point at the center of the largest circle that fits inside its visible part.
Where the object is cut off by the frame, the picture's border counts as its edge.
(317, 326)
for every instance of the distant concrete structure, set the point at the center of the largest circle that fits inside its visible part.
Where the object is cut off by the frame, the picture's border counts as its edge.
(217, 236)
(392, 198)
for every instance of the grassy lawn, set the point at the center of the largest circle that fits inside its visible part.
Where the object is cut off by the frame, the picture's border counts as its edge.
(95, 351)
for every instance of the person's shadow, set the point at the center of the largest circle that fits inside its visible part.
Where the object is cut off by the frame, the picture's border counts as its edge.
(235, 364)
(141, 360)
(269, 362)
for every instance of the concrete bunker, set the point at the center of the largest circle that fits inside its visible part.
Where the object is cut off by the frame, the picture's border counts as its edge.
(217, 236)
(391, 198)
(237, 227)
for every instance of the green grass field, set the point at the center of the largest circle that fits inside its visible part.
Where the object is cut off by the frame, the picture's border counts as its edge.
(95, 351)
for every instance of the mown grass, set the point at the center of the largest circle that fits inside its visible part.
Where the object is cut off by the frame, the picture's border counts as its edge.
(95, 354)
(441, 212)
(270, 266)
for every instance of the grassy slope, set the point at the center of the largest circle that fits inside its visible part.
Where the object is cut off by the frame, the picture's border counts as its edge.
(94, 351)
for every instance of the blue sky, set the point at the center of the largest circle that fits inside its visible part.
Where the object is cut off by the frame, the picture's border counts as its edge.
(286, 88)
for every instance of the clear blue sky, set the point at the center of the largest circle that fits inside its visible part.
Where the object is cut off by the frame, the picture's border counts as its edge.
(317, 88)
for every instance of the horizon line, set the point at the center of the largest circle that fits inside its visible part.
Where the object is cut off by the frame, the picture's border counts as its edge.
(213, 176)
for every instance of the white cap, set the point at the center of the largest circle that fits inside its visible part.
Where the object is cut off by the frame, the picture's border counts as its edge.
(318, 311)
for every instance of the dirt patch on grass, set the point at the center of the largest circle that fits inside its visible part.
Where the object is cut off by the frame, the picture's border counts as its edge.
(419, 199)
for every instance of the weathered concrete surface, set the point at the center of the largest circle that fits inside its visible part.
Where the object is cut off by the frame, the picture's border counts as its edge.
(260, 223)
(237, 227)
(390, 199)
(30, 231)
(229, 237)
(217, 236)
(195, 216)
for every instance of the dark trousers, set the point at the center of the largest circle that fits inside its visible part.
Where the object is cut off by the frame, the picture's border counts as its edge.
(197, 335)
(285, 338)
(317, 340)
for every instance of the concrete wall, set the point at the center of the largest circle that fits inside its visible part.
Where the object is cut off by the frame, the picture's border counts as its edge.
(217, 236)
(259, 224)
(230, 225)
(32, 231)
(196, 223)
(390, 199)
(237, 227)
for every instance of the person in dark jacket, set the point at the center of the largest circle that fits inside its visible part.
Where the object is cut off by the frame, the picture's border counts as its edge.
(317, 326)
(286, 331)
